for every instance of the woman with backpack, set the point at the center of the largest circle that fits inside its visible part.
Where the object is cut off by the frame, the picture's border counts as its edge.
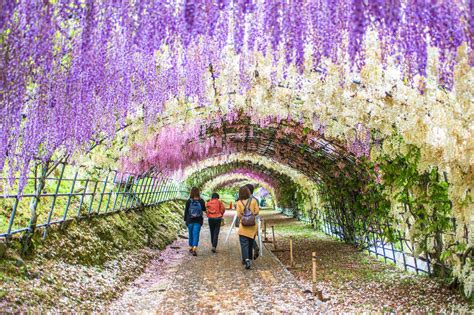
(215, 211)
(193, 216)
(247, 210)
(256, 249)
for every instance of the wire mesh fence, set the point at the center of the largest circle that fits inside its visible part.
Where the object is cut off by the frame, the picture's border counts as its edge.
(399, 252)
(52, 196)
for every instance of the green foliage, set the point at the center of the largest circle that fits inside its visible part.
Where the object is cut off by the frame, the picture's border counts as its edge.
(405, 199)
(97, 240)
(427, 208)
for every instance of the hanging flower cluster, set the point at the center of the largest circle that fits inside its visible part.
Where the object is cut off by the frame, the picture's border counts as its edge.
(225, 182)
(262, 161)
(73, 70)
(262, 193)
(178, 145)
(173, 148)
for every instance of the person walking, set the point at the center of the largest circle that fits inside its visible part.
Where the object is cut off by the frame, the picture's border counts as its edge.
(247, 210)
(215, 211)
(256, 249)
(193, 216)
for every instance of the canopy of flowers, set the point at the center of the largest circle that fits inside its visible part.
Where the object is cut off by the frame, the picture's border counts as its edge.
(334, 94)
(74, 70)
(236, 180)
(217, 165)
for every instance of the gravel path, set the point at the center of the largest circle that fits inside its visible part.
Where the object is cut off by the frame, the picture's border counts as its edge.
(213, 283)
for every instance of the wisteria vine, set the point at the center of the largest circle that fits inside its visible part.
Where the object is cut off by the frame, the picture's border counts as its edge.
(177, 146)
(73, 70)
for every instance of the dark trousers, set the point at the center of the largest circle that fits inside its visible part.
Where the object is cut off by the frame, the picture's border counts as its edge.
(255, 245)
(215, 227)
(246, 247)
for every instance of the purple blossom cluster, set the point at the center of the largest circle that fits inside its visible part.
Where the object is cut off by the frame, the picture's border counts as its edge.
(262, 193)
(73, 70)
(256, 175)
(361, 144)
(173, 149)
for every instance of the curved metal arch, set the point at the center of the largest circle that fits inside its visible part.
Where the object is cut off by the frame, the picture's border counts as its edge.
(244, 177)
(206, 175)
(322, 162)
(231, 182)
(203, 176)
(239, 180)
(265, 162)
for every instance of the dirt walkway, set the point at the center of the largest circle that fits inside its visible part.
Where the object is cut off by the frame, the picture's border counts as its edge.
(354, 282)
(211, 283)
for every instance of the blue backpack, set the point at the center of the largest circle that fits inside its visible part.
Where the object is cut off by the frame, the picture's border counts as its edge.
(195, 208)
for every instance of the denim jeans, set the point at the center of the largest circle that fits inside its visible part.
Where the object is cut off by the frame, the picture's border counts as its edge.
(255, 245)
(215, 227)
(246, 247)
(194, 229)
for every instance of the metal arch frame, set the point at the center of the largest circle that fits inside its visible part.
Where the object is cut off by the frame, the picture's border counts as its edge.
(242, 180)
(211, 172)
(241, 177)
(232, 182)
(201, 177)
(310, 164)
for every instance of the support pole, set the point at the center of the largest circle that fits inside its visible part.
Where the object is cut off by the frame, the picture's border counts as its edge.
(292, 263)
(265, 230)
(274, 240)
(40, 184)
(265, 237)
(316, 292)
(314, 273)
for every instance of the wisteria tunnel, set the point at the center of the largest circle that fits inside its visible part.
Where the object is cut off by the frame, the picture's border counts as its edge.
(352, 119)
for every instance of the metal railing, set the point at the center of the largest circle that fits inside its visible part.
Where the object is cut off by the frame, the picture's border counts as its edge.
(68, 192)
(399, 253)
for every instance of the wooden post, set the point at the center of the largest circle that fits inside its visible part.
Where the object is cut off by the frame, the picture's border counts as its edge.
(274, 240)
(314, 273)
(265, 238)
(316, 292)
(265, 235)
(292, 263)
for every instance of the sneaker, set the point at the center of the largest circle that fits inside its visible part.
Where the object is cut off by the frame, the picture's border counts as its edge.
(213, 249)
(195, 251)
(247, 264)
(191, 250)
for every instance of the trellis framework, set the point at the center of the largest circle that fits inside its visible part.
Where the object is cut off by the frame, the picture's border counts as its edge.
(285, 140)
(398, 251)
